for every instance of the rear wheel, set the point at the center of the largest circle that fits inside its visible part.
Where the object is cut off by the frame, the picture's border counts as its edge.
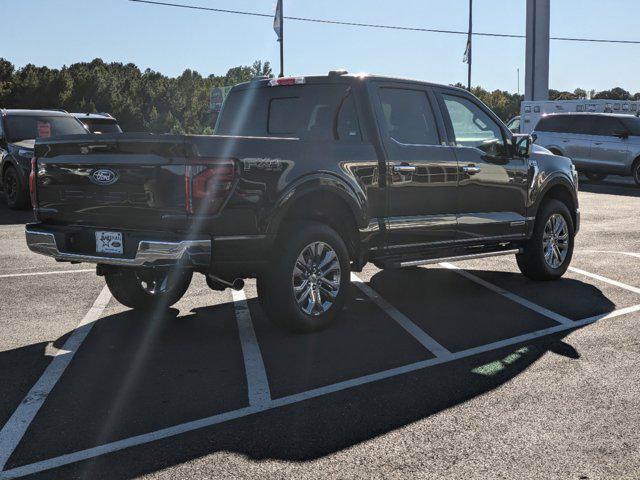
(305, 286)
(548, 253)
(16, 195)
(148, 289)
(595, 177)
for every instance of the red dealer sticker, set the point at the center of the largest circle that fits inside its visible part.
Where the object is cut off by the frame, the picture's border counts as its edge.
(44, 129)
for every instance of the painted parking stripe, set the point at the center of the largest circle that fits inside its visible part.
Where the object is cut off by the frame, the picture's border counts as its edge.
(416, 332)
(605, 279)
(257, 383)
(511, 296)
(104, 449)
(53, 272)
(628, 254)
(17, 425)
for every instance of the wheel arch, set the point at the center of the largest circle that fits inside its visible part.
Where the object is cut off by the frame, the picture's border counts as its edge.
(328, 200)
(560, 189)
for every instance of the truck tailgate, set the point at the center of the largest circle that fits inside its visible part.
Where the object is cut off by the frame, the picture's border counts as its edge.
(130, 181)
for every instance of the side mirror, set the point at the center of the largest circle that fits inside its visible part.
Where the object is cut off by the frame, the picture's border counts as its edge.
(522, 144)
(621, 134)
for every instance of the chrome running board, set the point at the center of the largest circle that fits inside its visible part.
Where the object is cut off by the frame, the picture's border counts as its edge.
(473, 256)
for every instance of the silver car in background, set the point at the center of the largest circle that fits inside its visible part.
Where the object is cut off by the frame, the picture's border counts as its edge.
(599, 144)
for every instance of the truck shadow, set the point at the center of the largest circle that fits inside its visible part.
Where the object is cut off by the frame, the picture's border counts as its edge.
(135, 374)
(13, 217)
(620, 186)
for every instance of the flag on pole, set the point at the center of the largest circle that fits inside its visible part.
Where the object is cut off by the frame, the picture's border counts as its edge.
(277, 20)
(467, 51)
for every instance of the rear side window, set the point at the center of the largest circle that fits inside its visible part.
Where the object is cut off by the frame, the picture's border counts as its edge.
(584, 125)
(408, 117)
(607, 126)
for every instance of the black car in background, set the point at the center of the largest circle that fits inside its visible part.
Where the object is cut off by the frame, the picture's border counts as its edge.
(19, 130)
(99, 122)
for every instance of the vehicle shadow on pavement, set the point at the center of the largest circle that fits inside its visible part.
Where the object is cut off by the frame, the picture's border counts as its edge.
(13, 217)
(138, 373)
(611, 188)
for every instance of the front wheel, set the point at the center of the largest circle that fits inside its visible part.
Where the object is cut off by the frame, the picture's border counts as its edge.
(148, 289)
(548, 252)
(636, 172)
(305, 286)
(15, 193)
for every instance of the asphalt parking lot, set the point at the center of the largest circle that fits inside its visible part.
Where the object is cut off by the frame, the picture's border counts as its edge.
(464, 370)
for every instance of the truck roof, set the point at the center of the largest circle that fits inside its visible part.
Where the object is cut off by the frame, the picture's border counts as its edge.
(338, 76)
(590, 114)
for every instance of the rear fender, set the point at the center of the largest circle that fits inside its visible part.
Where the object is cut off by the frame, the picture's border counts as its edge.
(352, 195)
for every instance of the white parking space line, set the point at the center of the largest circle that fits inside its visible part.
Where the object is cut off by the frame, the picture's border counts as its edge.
(291, 399)
(628, 254)
(416, 332)
(511, 296)
(257, 383)
(53, 272)
(16, 426)
(605, 279)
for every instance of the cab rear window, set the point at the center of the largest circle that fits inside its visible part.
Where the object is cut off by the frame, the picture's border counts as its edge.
(300, 111)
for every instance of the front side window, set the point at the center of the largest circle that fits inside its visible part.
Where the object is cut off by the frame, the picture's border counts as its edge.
(472, 127)
(608, 126)
(407, 116)
(27, 127)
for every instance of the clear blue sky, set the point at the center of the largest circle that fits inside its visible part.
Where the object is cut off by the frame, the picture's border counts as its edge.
(169, 40)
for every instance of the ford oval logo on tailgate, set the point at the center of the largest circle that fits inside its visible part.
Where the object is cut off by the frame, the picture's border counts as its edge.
(103, 176)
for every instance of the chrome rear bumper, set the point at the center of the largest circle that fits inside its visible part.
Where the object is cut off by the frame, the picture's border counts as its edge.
(188, 253)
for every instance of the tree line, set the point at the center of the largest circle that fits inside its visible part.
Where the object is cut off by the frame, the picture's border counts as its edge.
(148, 101)
(142, 101)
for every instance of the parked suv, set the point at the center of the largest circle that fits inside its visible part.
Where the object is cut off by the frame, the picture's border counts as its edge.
(99, 122)
(18, 131)
(305, 180)
(598, 143)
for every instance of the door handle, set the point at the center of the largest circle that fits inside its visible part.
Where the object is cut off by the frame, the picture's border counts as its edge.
(471, 169)
(404, 168)
(597, 143)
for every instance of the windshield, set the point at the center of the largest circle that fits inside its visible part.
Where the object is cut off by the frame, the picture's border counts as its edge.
(27, 127)
(101, 126)
(633, 124)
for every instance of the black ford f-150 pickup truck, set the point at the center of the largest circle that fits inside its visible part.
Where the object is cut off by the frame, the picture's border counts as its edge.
(305, 180)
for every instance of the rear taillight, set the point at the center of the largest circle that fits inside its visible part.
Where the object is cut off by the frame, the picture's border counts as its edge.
(208, 185)
(32, 182)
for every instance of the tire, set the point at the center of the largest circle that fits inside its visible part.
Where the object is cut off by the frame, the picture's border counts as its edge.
(15, 193)
(595, 177)
(312, 243)
(636, 172)
(532, 262)
(135, 288)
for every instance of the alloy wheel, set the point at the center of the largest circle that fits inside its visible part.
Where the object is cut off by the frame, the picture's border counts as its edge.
(11, 187)
(316, 278)
(555, 240)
